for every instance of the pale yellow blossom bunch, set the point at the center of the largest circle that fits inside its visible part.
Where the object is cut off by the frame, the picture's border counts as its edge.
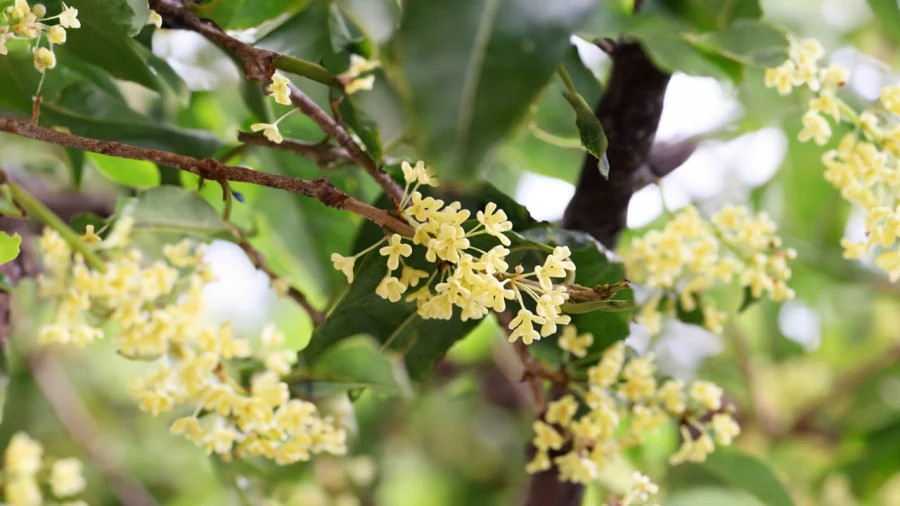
(464, 276)
(154, 311)
(865, 166)
(353, 76)
(619, 404)
(641, 490)
(337, 481)
(22, 21)
(27, 474)
(691, 255)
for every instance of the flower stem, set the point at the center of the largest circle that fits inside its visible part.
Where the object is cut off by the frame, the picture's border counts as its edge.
(37, 210)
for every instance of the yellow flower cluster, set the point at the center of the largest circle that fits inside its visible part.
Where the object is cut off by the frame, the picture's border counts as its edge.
(466, 277)
(28, 22)
(865, 167)
(156, 308)
(25, 471)
(691, 255)
(336, 482)
(619, 405)
(641, 490)
(359, 66)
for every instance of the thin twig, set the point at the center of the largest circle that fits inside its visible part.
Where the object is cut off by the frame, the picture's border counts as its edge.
(259, 262)
(77, 421)
(213, 169)
(321, 153)
(259, 65)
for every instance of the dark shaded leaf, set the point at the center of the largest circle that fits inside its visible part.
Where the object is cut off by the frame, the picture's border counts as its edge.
(474, 67)
(173, 209)
(748, 473)
(593, 139)
(358, 362)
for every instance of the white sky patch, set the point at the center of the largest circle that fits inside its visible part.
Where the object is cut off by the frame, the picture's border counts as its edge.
(197, 62)
(240, 294)
(694, 105)
(644, 207)
(544, 197)
(800, 323)
(845, 15)
(592, 56)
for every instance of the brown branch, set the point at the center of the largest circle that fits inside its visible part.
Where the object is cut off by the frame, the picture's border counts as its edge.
(321, 153)
(259, 65)
(213, 169)
(77, 421)
(846, 384)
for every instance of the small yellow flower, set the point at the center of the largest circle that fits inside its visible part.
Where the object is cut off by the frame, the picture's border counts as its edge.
(66, 478)
(561, 411)
(90, 236)
(154, 19)
(523, 326)
(411, 277)
(890, 97)
(68, 18)
(394, 250)
(546, 437)
(360, 84)
(280, 89)
(707, 394)
(574, 343)
(44, 59)
(56, 34)
(269, 130)
(725, 427)
(23, 455)
(815, 127)
(344, 264)
(390, 288)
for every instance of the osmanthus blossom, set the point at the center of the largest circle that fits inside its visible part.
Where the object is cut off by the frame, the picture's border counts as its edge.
(865, 164)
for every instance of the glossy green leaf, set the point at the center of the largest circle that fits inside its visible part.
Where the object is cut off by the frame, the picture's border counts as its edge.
(358, 362)
(598, 305)
(712, 14)
(173, 209)
(473, 67)
(133, 173)
(748, 473)
(746, 41)
(9, 246)
(395, 325)
(361, 124)
(306, 35)
(593, 139)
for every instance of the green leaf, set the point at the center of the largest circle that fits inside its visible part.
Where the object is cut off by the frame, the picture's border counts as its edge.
(473, 68)
(747, 300)
(358, 362)
(80, 221)
(173, 209)
(593, 139)
(133, 173)
(9, 247)
(665, 40)
(104, 39)
(361, 124)
(76, 101)
(712, 14)
(748, 473)
(694, 316)
(598, 305)
(75, 164)
(585, 81)
(746, 41)
(395, 325)
(306, 35)
(887, 14)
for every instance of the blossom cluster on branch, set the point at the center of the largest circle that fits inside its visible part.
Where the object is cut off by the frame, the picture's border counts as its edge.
(620, 403)
(154, 311)
(865, 165)
(691, 255)
(21, 21)
(463, 275)
(26, 470)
